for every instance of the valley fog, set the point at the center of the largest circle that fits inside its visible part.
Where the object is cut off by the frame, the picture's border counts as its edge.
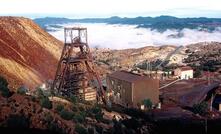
(129, 36)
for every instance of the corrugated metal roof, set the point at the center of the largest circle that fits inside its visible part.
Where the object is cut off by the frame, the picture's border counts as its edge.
(128, 76)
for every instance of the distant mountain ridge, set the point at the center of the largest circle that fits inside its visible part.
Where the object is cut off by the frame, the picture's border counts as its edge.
(161, 23)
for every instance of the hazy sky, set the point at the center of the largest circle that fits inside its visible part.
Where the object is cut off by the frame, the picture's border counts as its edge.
(102, 8)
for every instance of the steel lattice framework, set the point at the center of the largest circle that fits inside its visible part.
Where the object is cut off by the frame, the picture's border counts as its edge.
(76, 73)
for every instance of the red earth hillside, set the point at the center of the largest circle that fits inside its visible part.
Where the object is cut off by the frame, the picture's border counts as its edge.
(28, 54)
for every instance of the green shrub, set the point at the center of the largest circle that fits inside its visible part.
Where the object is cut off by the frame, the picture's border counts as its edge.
(59, 108)
(48, 117)
(81, 108)
(147, 103)
(99, 116)
(73, 99)
(74, 109)
(80, 129)
(83, 114)
(200, 108)
(39, 93)
(67, 115)
(96, 109)
(46, 103)
(3, 82)
(197, 73)
(22, 90)
(4, 87)
(4, 91)
(79, 118)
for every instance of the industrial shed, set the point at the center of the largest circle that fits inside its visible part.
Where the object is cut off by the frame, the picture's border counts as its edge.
(129, 89)
(184, 72)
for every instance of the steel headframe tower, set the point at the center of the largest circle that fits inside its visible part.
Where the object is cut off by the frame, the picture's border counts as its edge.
(75, 72)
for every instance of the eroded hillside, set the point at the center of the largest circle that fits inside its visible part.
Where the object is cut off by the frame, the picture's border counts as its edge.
(28, 54)
(204, 55)
(127, 58)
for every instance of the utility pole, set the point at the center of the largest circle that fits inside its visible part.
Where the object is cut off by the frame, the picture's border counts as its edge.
(149, 68)
(208, 77)
(205, 125)
(211, 103)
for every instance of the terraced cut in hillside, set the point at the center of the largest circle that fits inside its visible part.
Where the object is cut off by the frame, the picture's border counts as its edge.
(28, 54)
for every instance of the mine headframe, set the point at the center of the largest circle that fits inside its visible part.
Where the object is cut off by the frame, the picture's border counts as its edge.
(76, 75)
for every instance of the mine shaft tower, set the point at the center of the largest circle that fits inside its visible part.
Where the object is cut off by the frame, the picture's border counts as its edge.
(76, 73)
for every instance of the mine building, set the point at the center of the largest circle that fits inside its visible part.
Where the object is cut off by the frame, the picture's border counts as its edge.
(129, 89)
(184, 72)
(76, 73)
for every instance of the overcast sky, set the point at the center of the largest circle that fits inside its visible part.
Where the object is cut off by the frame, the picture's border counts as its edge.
(106, 8)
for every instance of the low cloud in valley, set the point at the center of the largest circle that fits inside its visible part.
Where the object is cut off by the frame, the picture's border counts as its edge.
(129, 36)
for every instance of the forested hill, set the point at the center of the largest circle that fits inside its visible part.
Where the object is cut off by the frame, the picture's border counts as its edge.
(161, 23)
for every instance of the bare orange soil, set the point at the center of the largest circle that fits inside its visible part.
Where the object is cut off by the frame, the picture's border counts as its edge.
(28, 54)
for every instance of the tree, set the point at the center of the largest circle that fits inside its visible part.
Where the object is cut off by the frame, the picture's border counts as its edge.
(22, 90)
(147, 103)
(200, 108)
(197, 73)
(45, 102)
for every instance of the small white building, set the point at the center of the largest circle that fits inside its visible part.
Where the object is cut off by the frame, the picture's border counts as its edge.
(184, 72)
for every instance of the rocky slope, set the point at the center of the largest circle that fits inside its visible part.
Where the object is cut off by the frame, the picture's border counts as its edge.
(28, 54)
(25, 112)
(39, 112)
(127, 58)
(204, 55)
